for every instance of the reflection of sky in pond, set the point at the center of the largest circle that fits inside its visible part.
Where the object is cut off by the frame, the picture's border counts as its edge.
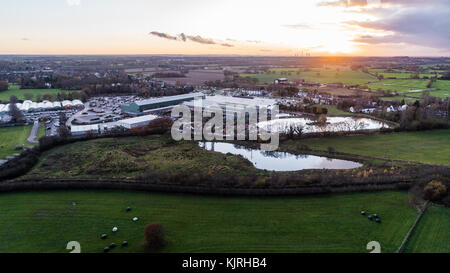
(279, 161)
(334, 124)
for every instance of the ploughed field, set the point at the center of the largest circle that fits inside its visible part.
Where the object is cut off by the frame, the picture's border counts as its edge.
(47, 221)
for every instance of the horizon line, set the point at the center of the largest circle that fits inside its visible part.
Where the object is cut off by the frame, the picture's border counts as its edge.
(221, 55)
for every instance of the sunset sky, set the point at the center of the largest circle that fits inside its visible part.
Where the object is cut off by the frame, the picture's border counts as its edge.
(245, 27)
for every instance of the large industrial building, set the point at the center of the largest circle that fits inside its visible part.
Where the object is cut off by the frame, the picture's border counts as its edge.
(233, 104)
(84, 129)
(136, 122)
(140, 107)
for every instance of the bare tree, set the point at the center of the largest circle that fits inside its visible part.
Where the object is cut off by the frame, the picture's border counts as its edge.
(63, 131)
(14, 112)
(293, 131)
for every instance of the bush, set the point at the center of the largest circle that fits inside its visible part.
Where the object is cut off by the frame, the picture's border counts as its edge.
(161, 124)
(435, 191)
(155, 235)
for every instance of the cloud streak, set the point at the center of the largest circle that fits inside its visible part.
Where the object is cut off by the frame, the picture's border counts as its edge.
(193, 38)
(163, 35)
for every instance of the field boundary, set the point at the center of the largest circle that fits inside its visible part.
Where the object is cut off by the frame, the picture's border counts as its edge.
(411, 230)
(202, 190)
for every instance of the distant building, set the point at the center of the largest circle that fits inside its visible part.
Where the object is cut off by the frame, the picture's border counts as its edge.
(84, 129)
(281, 81)
(368, 110)
(140, 107)
(136, 122)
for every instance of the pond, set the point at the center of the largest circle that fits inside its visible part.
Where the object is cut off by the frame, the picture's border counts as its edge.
(280, 161)
(333, 124)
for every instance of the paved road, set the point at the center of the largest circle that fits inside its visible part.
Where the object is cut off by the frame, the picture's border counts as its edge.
(34, 132)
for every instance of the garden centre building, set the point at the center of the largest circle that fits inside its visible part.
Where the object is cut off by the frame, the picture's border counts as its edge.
(140, 107)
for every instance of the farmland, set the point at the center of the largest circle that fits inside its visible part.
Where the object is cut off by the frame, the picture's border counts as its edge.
(322, 75)
(399, 98)
(402, 74)
(20, 93)
(426, 146)
(443, 87)
(432, 234)
(196, 77)
(43, 222)
(399, 85)
(12, 136)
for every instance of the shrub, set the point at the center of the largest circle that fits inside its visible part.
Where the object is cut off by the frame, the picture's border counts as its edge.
(435, 191)
(162, 124)
(155, 235)
(330, 150)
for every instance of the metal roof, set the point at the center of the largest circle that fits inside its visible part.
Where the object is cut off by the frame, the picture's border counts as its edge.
(138, 119)
(168, 99)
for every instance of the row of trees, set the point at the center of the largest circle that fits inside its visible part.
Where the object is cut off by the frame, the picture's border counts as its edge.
(74, 95)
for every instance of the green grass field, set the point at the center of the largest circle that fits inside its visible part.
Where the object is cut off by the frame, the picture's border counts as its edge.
(432, 234)
(333, 110)
(399, 85)
(444, 88)
(405, 75)
(426, 146)
(348, 77)
(440, 94)
(41, 131)
(400, 98)
(46, 221)
(12, 136)
(20, 93)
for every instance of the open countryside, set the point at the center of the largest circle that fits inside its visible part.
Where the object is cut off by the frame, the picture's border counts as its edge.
(205, 129)
(15, 90)
(293, 224)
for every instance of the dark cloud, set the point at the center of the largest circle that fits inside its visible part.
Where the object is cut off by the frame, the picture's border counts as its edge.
(183, 37)
(163, 35)
(425, 25)
(199, 39)
(194, 38)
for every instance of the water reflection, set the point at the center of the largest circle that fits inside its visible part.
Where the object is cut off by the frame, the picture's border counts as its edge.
(280, 161)
(334, 124)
